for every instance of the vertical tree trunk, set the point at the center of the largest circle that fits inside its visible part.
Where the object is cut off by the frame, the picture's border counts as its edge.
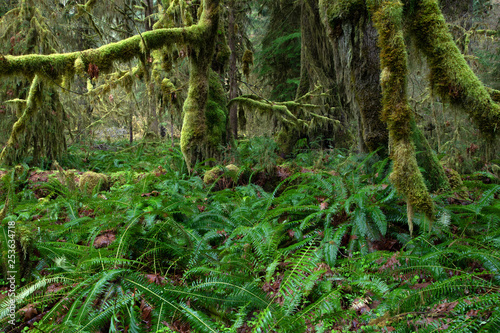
(356, 69)
(194, 129)
(233, 84)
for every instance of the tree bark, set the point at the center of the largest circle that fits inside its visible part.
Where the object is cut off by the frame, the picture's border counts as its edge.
(233, 84)
(194, 129)
(356, 67)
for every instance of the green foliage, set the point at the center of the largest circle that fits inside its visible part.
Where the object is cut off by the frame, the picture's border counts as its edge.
(278, 62)
(259, 153)
(326, 247)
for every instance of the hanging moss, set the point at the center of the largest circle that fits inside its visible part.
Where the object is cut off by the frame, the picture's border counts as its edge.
(247, 61)
(8, 153)
(406, 175)
(451, 77)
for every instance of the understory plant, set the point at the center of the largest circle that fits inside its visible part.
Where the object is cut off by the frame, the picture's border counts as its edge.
(327, 250)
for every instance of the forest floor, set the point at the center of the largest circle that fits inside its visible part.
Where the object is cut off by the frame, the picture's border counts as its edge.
(123, 239)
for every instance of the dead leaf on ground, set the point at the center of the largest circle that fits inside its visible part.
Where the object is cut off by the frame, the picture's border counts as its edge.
(104, 239)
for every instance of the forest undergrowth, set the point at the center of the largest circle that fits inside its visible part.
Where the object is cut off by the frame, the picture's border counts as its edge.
(317, 242)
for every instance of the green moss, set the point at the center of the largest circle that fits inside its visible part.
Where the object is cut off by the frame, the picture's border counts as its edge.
(396, 111)
(194, 129)
(456, 182)
(230, 171)
(212, 175)
(8, 153)
(92, 181)
(247, 61)
(451, 77)
(55, 66)
(338, 11)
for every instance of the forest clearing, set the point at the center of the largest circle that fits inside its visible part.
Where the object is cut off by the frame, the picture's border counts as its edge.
(249, 166)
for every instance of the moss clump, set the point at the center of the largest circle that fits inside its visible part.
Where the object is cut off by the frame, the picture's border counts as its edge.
(229, 172)
(455, 179)
(247, 61)
(334, 12)
(232, 171)
(212, 175)
(92, 181)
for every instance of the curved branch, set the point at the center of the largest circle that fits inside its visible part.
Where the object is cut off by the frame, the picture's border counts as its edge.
(451, 76)
(55, 66)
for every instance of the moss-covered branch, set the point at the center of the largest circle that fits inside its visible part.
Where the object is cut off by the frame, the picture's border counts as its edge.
(396, 111)
(55, 66)
(283, 109)
(254, 102)
(19, 126)
(451, 76)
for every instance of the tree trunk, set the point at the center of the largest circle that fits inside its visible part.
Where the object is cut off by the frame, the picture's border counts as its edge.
(194, 143)
(356, 70)
(233, 84)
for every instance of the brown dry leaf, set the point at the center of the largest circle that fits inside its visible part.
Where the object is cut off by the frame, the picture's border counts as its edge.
(146, 310)
(419, 286)
(391, 263)
(29, 311)
(156, 279)
(53, 288)
(104, 239)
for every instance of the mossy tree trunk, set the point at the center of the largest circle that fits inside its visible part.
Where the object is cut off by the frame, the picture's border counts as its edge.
(317, 68)
(451, 78)
(194, 140)
(396, 111)
(356, 66)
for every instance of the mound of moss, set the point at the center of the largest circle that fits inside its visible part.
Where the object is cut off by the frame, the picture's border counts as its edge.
(91, 181)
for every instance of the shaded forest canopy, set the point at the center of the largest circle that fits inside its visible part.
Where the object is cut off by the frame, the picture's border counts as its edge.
(389, 107)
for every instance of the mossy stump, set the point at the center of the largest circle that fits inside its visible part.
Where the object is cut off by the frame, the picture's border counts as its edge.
(92, 181)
